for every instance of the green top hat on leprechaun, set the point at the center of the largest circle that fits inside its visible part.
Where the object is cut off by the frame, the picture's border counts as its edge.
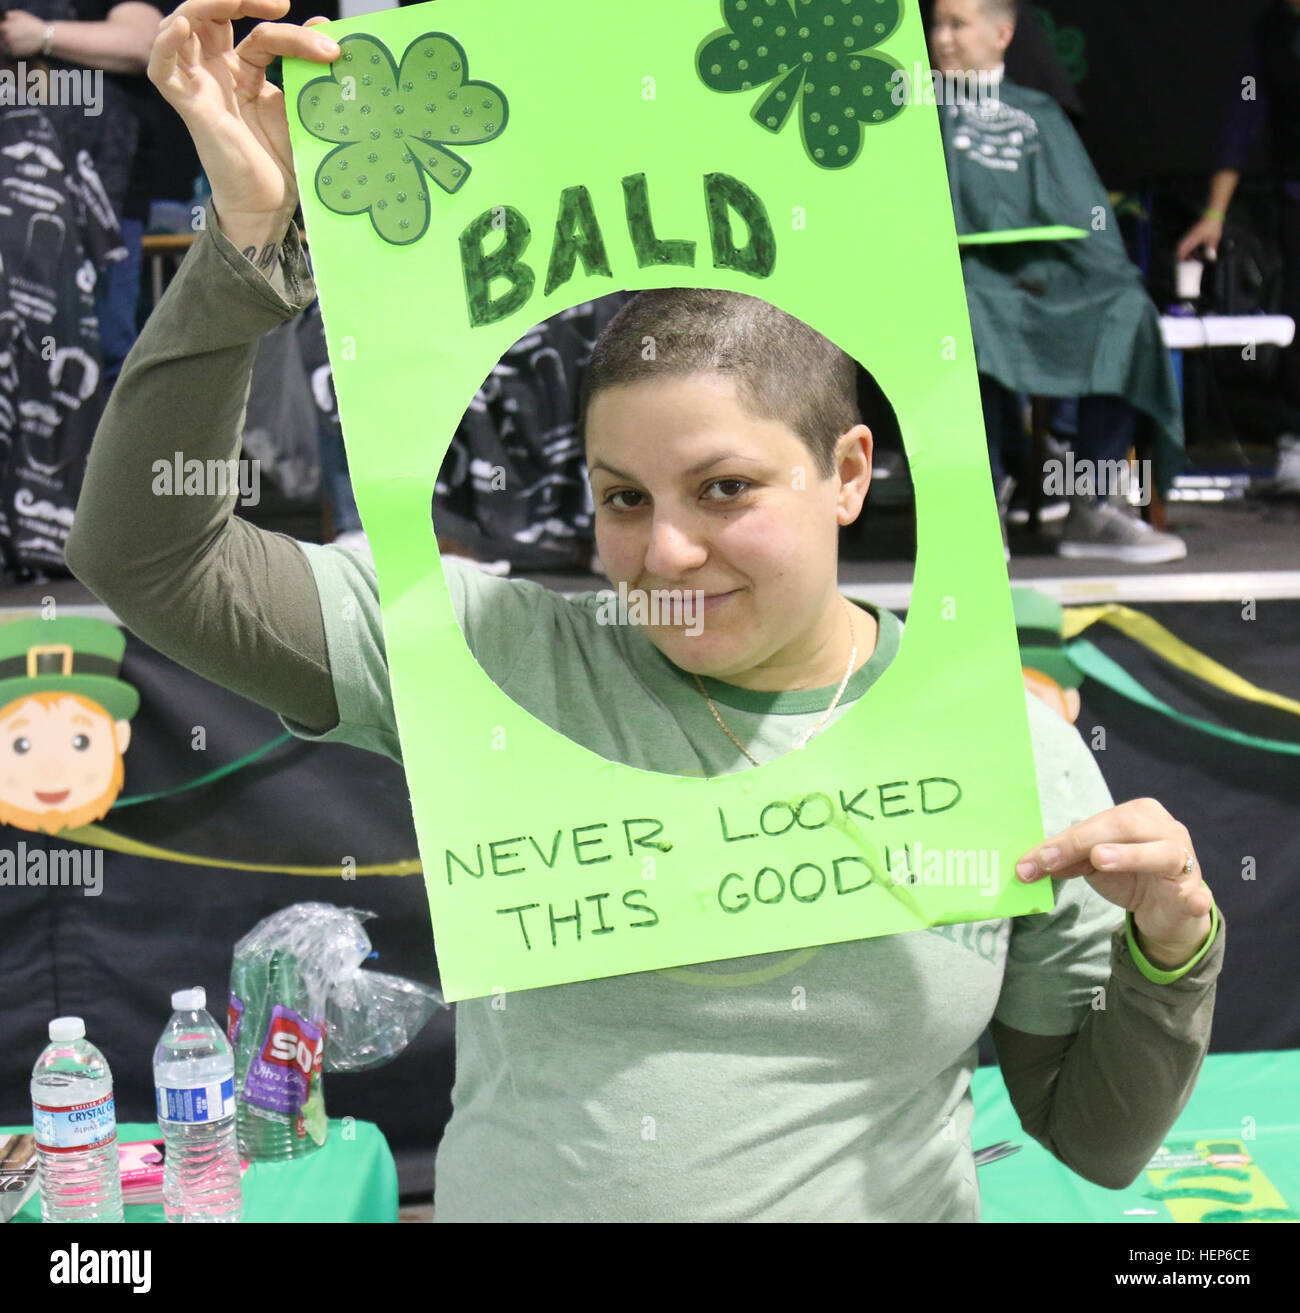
(75, 654)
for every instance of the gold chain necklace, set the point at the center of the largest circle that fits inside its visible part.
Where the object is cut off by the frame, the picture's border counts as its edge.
(802, 741)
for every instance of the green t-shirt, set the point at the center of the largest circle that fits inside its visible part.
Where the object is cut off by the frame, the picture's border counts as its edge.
(820, 1084)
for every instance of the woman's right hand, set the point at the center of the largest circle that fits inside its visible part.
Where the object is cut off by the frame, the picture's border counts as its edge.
(235, 116)
(1207, 231)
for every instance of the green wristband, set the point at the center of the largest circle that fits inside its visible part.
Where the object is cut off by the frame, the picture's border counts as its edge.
(1214, 214)
(1159, 975)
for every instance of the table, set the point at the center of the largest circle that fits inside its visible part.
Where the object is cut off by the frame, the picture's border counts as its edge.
(350, 1178)
(1243, 1103)
(1195, 333)
(1203, 332)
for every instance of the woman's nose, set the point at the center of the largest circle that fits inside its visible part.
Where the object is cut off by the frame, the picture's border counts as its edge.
(674, 548)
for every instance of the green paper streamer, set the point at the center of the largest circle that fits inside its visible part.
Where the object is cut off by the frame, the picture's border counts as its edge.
(220, 773)
(1097, 665)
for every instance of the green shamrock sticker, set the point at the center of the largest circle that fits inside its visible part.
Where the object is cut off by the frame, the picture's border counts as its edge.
(1068, 43)
(394, 126)
(814, 51)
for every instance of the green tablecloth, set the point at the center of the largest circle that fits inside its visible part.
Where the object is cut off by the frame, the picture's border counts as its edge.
(350, 1178)
(1234, 1154)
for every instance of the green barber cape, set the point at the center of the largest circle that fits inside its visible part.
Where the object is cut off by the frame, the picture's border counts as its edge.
(1058, 318)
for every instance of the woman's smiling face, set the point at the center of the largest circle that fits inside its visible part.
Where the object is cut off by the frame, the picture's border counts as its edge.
(692, 492)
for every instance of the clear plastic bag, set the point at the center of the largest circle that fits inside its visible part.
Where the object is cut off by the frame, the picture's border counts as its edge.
(370, 1017)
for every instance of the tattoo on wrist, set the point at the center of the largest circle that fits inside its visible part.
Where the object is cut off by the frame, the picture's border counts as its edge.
(266, 257)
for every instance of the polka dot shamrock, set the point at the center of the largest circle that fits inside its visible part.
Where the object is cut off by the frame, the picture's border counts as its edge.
(811, 52)
(395, 128)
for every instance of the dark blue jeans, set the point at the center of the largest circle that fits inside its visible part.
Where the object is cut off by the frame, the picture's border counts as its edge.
(336, 486)
(117, 301)
(1103, 428)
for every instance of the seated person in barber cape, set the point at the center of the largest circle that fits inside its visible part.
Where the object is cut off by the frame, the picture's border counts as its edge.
(1067, 319)
(691, 461)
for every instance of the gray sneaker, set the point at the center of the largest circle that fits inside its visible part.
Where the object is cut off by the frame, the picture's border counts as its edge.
(1111, 530)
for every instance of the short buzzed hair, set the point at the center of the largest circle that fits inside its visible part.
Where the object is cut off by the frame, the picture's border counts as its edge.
(783, 370)
(1000, 11)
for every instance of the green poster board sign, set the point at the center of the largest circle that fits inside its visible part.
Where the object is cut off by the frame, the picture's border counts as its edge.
(472, 167)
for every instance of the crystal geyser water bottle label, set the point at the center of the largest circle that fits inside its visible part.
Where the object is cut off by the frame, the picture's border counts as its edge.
(280, 1077)
(196, 1103)
(79, 1126)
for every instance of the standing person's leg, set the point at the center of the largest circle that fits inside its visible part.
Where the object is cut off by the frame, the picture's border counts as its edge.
(1059, 417)
(117, 300)
(1101, 525)
(336, 486)
(335, 483)
(999, 405)
(1015, 441)
(1288, 447)
(1290, 356)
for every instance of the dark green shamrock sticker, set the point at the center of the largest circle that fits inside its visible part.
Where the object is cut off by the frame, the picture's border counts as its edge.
(814, 51)
(395, 126)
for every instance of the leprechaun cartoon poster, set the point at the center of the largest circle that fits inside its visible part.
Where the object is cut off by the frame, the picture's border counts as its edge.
(65, 722)
(471, 167)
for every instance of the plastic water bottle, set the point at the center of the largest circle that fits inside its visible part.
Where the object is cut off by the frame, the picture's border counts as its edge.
(194, 1078)
(76, 1128)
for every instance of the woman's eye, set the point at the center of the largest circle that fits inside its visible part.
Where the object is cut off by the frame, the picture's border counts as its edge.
(80, 742)
(619, 506)
(21, 746)
(731, 488)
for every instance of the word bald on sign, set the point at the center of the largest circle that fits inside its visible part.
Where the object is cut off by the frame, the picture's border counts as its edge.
(578, 235)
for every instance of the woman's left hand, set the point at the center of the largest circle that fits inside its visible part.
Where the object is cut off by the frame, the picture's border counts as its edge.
(1139, 857)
